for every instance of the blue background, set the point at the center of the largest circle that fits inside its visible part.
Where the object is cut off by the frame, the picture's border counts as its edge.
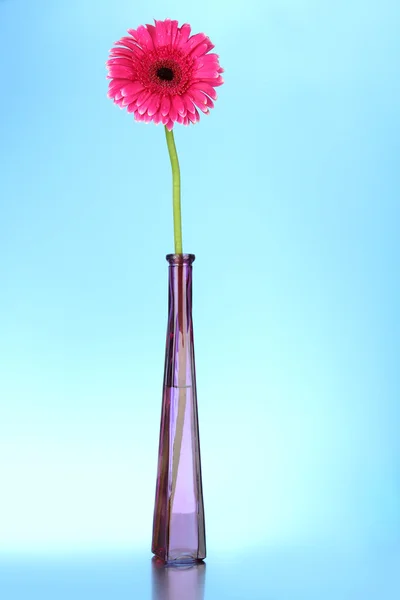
(290, 193)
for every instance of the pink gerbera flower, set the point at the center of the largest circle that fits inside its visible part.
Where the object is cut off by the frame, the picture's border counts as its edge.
(161, 73)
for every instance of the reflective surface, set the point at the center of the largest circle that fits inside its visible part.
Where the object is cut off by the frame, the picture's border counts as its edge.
(170, 583)
(309, 573)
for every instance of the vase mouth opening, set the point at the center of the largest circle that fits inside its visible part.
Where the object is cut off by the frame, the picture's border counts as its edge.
(180, 259)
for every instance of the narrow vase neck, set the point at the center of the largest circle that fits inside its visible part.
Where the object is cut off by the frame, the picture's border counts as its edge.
(180, 327)
(180, 292)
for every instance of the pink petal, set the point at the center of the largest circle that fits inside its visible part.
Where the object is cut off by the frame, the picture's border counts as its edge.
(190, 107)
(134, 34)
(174, 32)
(142, 37)
(117, 72)
(199, 50)
(165, 105)
(210, 58)
(195, 40)
(137, 53)
(123, 62)
(207, 73)
(194, 118)
(173, 113)
(131, 88)
(153, 105)
(170, 125)
(161, 34)
(119, 82)
(167, 25)
(210, 65)
(157, 117)
(211, 81)
(179, 106)
(198, 97)
(153, 33)
(183, 35)
(204, 87)
(143, 97)
(142, 109)
(130, 99)
(203, 108)
(145, 38)
(130, 43)
(116, 85)
(183, 120)
(121, 52)
(164, 119)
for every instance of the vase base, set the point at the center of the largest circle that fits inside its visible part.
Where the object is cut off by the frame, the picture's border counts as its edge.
(178, 558)
(179, 563)
(182, 563)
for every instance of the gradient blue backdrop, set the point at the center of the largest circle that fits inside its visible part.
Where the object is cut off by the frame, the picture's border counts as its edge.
(291, 205)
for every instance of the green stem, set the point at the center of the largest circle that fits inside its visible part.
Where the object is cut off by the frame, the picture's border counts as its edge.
(176, 191)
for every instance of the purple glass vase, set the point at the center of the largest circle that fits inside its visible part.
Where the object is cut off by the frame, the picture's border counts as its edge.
(178, 526)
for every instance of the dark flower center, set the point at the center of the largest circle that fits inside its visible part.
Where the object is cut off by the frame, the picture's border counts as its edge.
(165, 74)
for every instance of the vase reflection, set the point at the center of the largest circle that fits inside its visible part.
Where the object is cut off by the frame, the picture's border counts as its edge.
(183, 582)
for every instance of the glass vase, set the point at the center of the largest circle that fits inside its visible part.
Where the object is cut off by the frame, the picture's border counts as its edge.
(178, 525)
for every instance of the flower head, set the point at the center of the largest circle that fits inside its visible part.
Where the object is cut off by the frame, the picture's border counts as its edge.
(161, 73)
